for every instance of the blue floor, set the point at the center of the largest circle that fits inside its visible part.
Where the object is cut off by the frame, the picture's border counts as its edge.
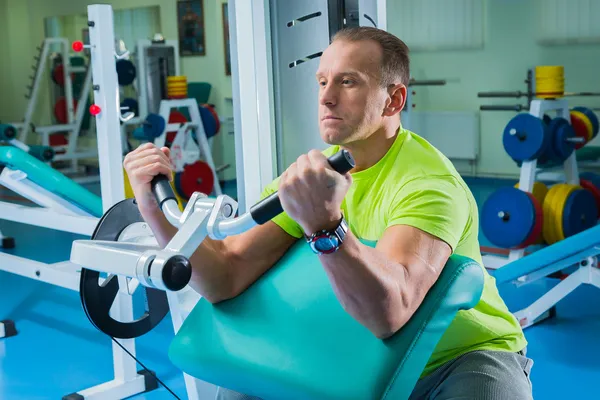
(58, 352)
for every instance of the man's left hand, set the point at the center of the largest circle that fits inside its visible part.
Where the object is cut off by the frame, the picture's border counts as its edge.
(311, 192)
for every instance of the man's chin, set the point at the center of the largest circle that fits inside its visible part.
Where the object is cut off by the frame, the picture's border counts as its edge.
(332, 136)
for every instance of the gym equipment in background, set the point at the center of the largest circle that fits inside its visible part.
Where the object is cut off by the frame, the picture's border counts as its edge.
(410, 93)
(67, 75)
(66, 206)
(195, 170)
(203, 346)
(8, 134)
(516, 218)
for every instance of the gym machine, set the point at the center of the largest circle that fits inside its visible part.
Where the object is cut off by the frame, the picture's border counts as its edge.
(409, 105)
(73, 118)
(66, 206)
(135, 261)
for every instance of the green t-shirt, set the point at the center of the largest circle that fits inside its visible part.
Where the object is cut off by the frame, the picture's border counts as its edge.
(415, 184)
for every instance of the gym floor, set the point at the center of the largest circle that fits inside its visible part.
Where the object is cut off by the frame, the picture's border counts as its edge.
(57, 351)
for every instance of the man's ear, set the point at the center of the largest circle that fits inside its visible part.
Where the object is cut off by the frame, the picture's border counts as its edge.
(397, 99)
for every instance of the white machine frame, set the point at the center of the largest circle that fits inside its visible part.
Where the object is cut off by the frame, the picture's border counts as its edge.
(529, 172)
(70, 152)
(57, 213)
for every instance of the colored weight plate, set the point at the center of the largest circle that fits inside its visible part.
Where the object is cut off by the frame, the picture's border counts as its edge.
(539, 191)
(592, 177)
(131, 104)
(536, 233)
(547, 119)
(561, 130)
(591, 116)
(582, 127)
(58, 75)
(209, 120)
(588, 185)
(60, 109)
(525, 137)
(126, 72)
(549, 231)
(559, 211)
(196, 177)
(154, 125)
(579, 213)
(508, 217)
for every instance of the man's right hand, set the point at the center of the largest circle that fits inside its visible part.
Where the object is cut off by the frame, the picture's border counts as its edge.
(143, 164)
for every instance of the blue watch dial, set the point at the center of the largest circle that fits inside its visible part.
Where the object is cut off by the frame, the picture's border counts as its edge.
(326, 243)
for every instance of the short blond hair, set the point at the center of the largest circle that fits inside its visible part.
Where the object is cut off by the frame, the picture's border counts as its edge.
(395, 62)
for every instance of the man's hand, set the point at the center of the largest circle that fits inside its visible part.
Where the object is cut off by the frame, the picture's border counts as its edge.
(143, 164)
(312, 192)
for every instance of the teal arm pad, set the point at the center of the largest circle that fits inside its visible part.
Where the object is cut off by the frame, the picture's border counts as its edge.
(50, 179)
(287, 336)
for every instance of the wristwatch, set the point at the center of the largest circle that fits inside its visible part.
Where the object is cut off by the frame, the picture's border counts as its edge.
(328, 241)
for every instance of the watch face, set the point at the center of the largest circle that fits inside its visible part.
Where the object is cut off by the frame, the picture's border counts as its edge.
(326, 243)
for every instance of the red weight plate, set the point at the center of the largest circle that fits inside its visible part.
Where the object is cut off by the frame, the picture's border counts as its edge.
(196, 177)
(60, 109)
(536, 231)
(580, 129)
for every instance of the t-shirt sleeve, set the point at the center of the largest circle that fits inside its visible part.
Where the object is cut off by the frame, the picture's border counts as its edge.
(283, 220)
(438, 206)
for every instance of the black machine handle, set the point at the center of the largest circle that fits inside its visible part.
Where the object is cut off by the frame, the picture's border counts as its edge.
(162, 189)
(267, 208)
(270, 207)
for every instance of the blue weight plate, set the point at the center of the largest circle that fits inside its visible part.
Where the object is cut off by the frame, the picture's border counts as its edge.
(518, 221)
(580, 212)
(154, 125)
(530, 140)
(592, 116)
(560, 130)
(208, 120)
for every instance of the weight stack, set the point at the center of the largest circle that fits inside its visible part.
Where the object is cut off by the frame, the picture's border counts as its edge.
(177, 87)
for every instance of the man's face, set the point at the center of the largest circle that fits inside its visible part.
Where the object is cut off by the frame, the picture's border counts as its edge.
(351, 99)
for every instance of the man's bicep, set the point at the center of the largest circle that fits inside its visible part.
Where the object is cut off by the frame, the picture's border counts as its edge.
(439, 207)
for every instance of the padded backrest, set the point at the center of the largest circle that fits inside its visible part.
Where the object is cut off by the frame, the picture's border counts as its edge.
(287, 336)
(50, 179)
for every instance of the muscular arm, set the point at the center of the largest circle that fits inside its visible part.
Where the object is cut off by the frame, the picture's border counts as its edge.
(382, 287)
(223, 269)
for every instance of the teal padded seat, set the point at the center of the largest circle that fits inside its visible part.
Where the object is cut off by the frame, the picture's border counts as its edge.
(287, 336)
(50, 179)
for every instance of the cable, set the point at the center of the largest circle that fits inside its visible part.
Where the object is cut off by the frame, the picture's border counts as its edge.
(143, 366)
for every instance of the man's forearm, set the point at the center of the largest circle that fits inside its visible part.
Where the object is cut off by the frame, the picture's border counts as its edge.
(368, 285)
(210, 277)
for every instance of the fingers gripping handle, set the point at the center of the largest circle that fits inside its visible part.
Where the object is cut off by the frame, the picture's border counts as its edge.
(161, 187)
(270, 207)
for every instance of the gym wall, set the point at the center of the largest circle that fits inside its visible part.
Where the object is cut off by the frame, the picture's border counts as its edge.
(510, 48)
(23, 31)
(4, 64)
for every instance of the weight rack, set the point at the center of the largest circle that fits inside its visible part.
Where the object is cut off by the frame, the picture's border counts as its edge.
(529, 171)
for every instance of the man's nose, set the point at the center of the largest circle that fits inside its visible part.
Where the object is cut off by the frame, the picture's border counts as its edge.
(328, 97)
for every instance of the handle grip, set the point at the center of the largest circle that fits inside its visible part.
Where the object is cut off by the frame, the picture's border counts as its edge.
(161, 187)
(270, 207)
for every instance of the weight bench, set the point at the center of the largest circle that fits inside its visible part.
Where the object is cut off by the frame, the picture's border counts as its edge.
(579, 251)
(287, 336)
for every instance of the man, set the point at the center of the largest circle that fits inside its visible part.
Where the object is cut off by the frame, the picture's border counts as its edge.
(403, 193)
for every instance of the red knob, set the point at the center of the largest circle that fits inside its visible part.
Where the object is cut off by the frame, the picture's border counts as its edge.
(94, 110)
(77, 46)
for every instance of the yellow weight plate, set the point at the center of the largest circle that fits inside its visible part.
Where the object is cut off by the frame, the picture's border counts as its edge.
(539, 191)
(548, 228)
